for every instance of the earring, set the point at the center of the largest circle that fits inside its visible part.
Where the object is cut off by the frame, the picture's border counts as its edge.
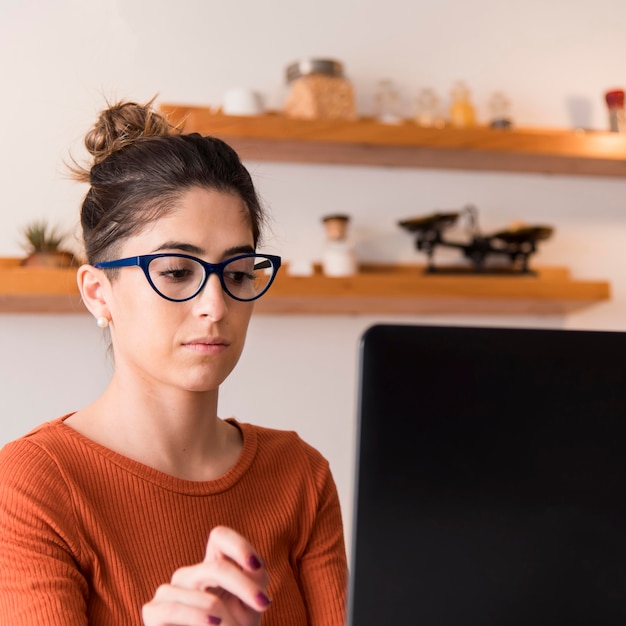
(102, 322)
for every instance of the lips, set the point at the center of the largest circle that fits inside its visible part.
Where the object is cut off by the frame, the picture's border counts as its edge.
(207, 345)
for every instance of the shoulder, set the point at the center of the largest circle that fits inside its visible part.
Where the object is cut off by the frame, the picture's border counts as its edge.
(34, 457)
(286, 450)
(33, 481)
(287, 442)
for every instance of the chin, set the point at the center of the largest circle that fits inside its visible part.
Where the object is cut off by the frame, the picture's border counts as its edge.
(200, 386)
(204, 382)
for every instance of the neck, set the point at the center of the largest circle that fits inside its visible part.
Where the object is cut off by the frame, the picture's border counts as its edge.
(171, 430)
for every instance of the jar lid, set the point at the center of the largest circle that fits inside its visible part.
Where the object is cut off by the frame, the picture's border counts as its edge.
(340, 217)
(304, 67)
(615, 98)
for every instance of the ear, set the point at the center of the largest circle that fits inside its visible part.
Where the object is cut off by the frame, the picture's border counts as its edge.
(94, 287)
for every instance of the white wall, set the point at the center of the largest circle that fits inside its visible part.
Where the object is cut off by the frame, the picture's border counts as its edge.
(61, 59)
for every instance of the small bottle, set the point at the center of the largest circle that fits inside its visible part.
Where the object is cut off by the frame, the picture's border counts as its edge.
(428, 109)
(617, 115)
(338, 257)
(387, 103)
(462, 114)
(499, 106)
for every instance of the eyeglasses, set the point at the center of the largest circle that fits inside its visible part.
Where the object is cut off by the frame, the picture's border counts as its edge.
(181, 277)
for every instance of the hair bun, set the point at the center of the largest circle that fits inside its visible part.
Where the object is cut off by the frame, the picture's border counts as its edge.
(121, 124)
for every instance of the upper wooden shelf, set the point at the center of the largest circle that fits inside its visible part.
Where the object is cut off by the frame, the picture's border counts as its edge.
(377, 289)
(274, 137)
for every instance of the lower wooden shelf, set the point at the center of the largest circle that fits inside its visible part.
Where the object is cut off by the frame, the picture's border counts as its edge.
(38, 289)
(377, 289)
(386, 289)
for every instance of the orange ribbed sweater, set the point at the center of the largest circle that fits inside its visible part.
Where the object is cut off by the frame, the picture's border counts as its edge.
(87, 535)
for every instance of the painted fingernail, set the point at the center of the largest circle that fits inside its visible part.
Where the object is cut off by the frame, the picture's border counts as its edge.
(254, 562)
(212, 619)
(262, 599)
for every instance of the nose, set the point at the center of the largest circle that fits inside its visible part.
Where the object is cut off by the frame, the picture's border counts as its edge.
(211, 301)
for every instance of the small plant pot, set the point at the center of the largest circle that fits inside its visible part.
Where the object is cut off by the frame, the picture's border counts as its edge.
(49, 259)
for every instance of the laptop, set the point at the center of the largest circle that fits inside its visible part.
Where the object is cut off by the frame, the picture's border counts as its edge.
(490, 478)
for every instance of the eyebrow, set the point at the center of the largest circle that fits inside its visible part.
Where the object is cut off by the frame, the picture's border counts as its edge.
(191, 249)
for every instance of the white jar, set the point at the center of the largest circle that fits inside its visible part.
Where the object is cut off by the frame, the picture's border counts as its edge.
(338, 259)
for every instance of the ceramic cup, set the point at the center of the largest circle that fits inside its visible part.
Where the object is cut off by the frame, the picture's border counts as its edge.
(242, 101)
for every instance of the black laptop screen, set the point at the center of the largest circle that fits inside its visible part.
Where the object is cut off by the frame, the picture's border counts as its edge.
(491, 478)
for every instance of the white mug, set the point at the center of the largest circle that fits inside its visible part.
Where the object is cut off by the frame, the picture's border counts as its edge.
(242, 101)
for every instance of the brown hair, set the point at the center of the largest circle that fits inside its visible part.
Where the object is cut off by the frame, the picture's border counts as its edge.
(141, 166)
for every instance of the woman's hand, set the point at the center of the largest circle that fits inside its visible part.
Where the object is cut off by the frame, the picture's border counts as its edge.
(228, 588)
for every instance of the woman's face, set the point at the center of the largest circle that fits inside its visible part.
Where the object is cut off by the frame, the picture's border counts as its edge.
(190, 345)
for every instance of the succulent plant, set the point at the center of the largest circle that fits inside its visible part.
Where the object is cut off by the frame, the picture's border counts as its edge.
(40, 236)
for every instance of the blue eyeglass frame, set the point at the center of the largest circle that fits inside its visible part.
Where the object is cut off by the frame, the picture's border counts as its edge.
(144, 260)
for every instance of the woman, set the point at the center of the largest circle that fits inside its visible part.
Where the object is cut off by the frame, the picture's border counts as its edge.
(145, 506)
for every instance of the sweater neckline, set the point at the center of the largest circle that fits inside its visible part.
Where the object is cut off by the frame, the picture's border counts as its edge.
(167, 481)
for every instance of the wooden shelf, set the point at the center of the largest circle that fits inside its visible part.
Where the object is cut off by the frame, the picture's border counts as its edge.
(398, 290)
(274, 137)
(38, 290)
(377, 289)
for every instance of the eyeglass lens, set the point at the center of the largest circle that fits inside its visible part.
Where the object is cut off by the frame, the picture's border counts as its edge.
(180, 278)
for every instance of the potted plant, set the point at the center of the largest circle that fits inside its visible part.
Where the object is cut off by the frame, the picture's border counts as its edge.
(44, 244)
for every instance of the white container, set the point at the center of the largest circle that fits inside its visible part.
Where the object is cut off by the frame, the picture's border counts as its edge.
(338, 259)
(242, 101)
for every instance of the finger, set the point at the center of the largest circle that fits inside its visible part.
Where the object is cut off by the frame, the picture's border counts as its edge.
(226, 575)
(175, 605)
(174, 614)
(191, 597)
(226, 542)
(177, 614)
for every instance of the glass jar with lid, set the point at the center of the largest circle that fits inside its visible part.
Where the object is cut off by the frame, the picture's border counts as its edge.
(318, 89)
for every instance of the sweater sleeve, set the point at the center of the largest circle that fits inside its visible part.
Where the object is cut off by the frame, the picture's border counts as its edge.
(323, 566)
(40, 581)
